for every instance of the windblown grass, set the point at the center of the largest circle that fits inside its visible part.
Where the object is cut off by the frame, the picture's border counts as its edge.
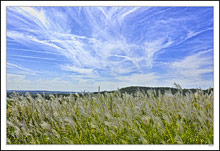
(113, 118)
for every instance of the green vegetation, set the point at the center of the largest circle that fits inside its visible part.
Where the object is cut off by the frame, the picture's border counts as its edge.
(112, 118)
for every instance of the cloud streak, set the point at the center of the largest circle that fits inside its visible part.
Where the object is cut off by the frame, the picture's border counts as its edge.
(196, 65)
(114, 43)
(20, 70)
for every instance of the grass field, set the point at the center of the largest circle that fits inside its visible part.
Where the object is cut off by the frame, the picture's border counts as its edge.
(111, 118)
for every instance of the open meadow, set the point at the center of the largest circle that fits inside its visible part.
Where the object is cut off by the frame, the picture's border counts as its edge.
(111, 118)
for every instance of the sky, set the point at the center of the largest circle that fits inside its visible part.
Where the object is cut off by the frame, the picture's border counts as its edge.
(82, 48)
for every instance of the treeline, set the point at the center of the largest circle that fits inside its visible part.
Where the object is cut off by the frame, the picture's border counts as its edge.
(162, 90)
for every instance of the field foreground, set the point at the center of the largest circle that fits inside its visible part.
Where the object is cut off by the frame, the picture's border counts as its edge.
(111, 118)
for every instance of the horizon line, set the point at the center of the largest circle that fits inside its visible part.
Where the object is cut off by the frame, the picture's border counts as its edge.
(106, 90)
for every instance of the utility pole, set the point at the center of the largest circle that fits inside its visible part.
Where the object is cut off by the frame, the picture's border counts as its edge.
(99, 89)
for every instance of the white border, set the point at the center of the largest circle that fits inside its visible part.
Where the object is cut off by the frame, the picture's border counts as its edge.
(215, 4)
(110, 3)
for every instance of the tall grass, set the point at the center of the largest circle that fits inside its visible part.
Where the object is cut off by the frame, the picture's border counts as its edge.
(113, 118)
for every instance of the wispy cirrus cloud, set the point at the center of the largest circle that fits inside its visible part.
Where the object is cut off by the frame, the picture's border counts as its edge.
(20, 70)
(41, 58)
(104, 43)
(107, 44)
(190, 70)
(195, 65)
(77, 69)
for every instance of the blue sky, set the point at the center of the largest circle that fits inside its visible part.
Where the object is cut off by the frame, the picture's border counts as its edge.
(81, 48)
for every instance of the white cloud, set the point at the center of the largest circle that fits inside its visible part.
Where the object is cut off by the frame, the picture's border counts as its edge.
(75, 83)
(35, 51)
(28, 39)
(32, 57)
(191, 33)
(106, 48)
(189, 71)
(31, 12)
(152, 47)
(150, 79)
(127, 13)
(77, 69)
(90, 53)
(20, 82)
(20, 70)
(189, 83)
(17, 82)
(195, 65)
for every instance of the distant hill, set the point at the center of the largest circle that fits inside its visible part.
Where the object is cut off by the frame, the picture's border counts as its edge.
(133, 89)
(129, 90)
